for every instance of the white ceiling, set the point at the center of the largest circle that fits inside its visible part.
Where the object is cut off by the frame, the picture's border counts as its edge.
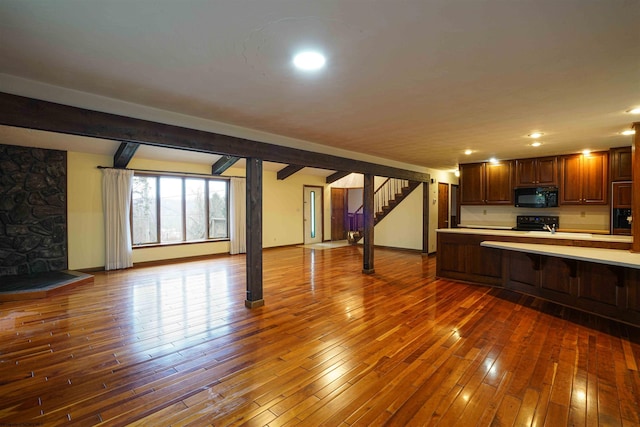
(414, 81)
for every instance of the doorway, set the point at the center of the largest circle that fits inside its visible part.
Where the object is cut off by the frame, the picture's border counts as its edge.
(312, 215)
(339, 213)
(443, 205)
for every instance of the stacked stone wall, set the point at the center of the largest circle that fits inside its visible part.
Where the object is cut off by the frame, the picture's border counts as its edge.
(33, 210)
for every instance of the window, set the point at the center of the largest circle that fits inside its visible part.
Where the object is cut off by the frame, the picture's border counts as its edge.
(175, 209)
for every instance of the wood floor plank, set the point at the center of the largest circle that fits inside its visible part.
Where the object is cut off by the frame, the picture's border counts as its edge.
(174, 345)
(507, 412)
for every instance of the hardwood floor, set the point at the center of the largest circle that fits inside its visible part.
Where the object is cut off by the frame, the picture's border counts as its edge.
(174, 345)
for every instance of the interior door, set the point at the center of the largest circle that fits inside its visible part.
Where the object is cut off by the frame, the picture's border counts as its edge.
(338, 213)
(443, 205)
(312, 215)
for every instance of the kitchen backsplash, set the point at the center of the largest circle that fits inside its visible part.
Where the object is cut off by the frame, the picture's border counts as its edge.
(571, 217)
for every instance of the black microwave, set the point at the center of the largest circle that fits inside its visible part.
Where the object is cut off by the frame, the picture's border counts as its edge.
(536, 197)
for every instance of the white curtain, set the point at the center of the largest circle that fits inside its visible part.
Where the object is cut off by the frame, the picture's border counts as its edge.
(238, 217)
(116, 201)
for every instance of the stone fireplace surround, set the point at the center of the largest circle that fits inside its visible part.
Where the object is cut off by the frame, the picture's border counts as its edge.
(33, 212)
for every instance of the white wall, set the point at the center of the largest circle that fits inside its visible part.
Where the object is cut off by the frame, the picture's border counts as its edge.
(402, 227)
(282, 207)
(354, 199)
(85, 220)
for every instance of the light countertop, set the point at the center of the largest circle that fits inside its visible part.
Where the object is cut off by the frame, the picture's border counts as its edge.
(618, 257)
(539, 234)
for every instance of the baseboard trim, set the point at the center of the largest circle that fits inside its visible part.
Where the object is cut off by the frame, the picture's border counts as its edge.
(220, 255)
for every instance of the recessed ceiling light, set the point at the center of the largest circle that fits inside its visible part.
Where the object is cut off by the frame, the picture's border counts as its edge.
(535, 135)
(467, 152)
(309, 61)
(493, 160)
(536, 144)
(586, 152)
(634, 110)
(628, 132)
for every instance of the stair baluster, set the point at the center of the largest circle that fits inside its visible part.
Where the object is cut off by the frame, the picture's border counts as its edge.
(386, 197)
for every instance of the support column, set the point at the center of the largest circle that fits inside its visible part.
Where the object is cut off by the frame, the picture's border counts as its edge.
(425, 218)
(635, 190)
(254, 233)
(368, 211)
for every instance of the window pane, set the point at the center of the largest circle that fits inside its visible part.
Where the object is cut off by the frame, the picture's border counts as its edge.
(312, 197)
(144, 210)
(218, 228)
(171, 209)
(196, 225)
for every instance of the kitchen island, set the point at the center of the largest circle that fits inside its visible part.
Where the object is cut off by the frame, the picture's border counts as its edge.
(574, 269)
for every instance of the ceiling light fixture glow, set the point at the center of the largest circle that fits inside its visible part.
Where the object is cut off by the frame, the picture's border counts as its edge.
(634, 110)
(536, 144)
(628, 132)
(535, 135)
(586, 152)
(493, 160)
(309, 61)
(467, 152)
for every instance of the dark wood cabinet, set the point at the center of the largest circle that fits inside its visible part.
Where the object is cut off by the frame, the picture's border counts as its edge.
(601, 288)
(571, 180)
(621, 197)
(542, 171)
(608, 290)
(620, 164)
(472, 184)
(595, 182)
(633, 292)
(498, 183)
(595, 174)
(486, 183)
(622, 192)
(461, 257)
(584, 179)
(523, 273)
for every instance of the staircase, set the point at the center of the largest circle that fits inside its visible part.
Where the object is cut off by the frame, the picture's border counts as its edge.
(386, 197)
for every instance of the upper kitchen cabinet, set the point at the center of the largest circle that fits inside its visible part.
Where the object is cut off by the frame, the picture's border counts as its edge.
(620, 164)
(486, 183)
(472, 184)
(537, 172)
(584, 179)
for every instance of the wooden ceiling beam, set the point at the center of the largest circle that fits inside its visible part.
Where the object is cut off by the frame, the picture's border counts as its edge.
(124, 154)
(33, 113)
(336, 176)
(287, 171)
(223, 163)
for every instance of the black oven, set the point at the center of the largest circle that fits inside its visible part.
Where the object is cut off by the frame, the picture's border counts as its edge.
(621, 219)
(536, 223)
(536, 197)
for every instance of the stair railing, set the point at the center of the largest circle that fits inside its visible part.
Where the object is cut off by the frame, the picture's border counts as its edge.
(386, 192)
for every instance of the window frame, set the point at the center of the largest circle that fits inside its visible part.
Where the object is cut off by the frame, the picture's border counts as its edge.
(158, 208)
